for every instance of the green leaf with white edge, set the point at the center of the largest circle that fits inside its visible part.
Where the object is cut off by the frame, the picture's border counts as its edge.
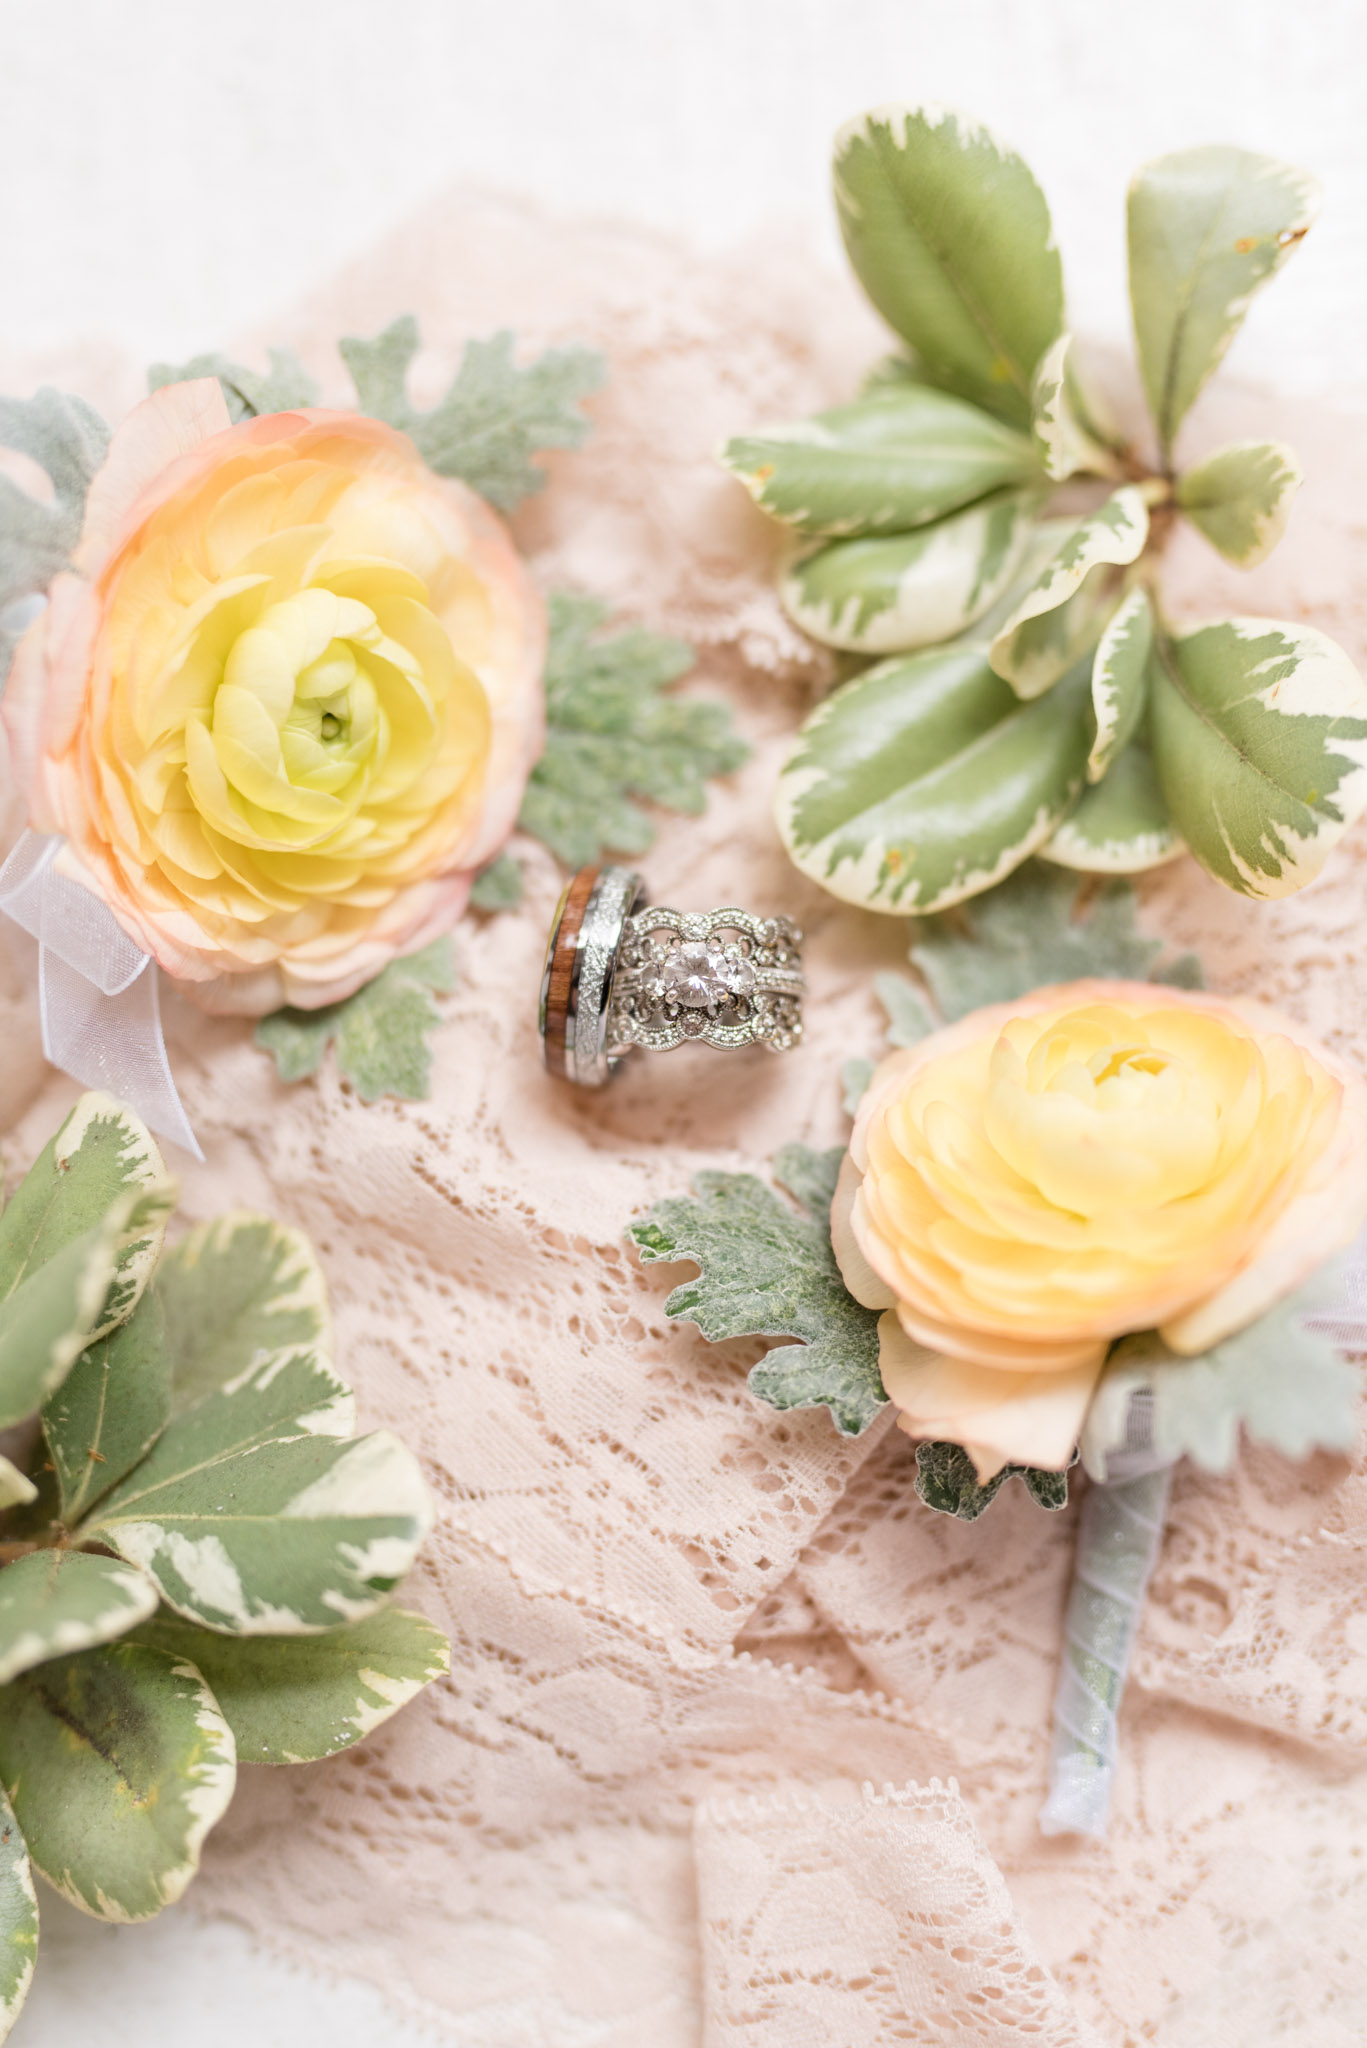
(766, 1270)
(497, 887)
(254, 1516)
(294, 1701)
(239, 1294)
(1207, 229)
(60, 1307)
(110, 1408)
(1259, 735)
(18, 1919)
(493, 416)
(16, 1488)
(915, 589)
(380, 1033)
(1120, 680)
(950, 236)
(1283, 1383)
(1066, 440)
(899, 459)
(947, 1482)
(102, 1151)
(1240, 498)
(1057, 619)
(1119, 826)
(117, 1762)
(1032, 932)
(284, 387)
(614, 736)
(926, 780)
(54, 1602)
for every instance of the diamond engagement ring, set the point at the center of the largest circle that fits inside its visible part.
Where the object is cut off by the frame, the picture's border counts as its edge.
(619, 974)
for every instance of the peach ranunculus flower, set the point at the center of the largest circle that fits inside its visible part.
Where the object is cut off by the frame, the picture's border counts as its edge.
(285, 703)
(1049, 1174)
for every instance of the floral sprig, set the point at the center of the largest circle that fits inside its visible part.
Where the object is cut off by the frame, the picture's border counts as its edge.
(1039, 700)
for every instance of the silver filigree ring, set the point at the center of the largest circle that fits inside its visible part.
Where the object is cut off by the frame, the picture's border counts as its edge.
(621, 974)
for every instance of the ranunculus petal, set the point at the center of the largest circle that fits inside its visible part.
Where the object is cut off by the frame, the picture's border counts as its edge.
(1003, 1418)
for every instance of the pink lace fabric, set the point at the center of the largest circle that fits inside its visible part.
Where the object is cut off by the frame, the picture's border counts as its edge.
(663, 1596)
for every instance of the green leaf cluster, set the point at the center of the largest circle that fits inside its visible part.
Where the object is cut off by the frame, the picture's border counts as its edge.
(1032, 698)
(67, 440)
(197, 1554)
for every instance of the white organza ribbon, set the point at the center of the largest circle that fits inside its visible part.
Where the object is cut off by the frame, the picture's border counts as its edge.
(97, 989)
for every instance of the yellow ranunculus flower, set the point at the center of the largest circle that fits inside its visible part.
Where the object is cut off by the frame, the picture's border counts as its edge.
(1047, 1175)
(286, 703)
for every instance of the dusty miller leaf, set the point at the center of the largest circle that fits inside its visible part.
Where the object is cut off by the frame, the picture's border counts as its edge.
(1285, 1384)
(380, 1033)
(1025, 935)
(286, 385)
(768, 1271)
(499, 886)
(67, 439)
(612, 735)
(947, 1482)
(495, 414)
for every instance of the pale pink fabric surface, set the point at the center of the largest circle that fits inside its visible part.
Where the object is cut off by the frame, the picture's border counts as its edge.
(661, 1594)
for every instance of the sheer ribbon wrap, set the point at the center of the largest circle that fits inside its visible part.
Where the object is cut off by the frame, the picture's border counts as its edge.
(98, 995)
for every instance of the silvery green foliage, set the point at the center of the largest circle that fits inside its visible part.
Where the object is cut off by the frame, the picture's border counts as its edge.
(1282, 1381)
(284, 386)
(1043, 706)
(767, 1269)
(195, 1567)
(494, 415)
(379, 1034)
(67, 439)
(946, 1481)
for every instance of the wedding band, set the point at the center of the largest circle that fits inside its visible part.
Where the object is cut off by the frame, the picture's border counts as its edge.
(620, 974)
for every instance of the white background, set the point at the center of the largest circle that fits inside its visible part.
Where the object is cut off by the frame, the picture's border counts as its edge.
(171, 172)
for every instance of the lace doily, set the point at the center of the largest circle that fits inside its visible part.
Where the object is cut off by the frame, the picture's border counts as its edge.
(660, 1593)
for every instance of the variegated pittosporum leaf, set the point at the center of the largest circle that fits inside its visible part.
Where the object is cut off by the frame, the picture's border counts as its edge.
(282, 388)
(926, 779)
(1120, 826)
(380, 1033)
(78, 1242)
(117, 1762)
(879, 596)
(110, 1409)
(950, 237)
(1259, 735)
(495, 414)
(294, 1700)
(947, 1482)
(1120, 680)
(1207, 228)
(256, 1512)
(768, 1270)
(1283, 1383)
(1240, 498)
(18, 1919)
(614, 735)
(67, 439)
(54, 1602)
(1068, 440)
(1061, 617)
(239, 1294)
(894, 460)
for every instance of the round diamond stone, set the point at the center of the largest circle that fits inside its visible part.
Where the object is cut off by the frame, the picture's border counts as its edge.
(699, 973)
